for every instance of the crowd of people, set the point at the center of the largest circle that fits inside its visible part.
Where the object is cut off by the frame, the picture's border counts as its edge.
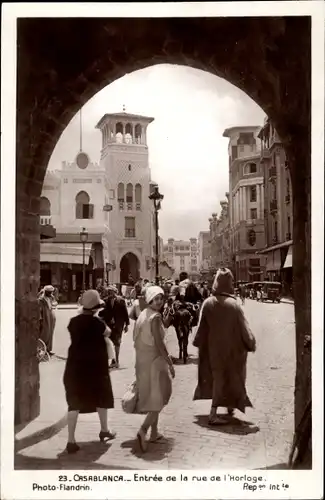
(223, 339)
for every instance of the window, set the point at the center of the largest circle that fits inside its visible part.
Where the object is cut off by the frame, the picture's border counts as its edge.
(289, 224)
(170, 249)
(251, 237)
(119, 133)
(276, 230)
(253, 213)
(253, 193)
(120, 192)
(241, 148)
(182, 268)
(129, 227)
(84, 209)
(45, 206)
(137, 133)
(181, 248)
(252, 168)
(138, 196)
(193, 261)
(129, 193)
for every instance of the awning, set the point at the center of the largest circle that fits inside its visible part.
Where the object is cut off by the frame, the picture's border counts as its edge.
(274, 261)
(68, 253)
(288, 261)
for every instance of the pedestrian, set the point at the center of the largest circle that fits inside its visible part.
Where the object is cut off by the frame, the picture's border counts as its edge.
(86, 377)
(115, 315)
(224, 339)
(175, 289)
(205, 292)
(47, 307)
(154, 367)
(138, 305)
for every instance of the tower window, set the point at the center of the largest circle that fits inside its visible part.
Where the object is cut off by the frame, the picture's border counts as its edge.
(129, 193)
(120, 192)
(129, 227)
(129, 168)
(84, 209)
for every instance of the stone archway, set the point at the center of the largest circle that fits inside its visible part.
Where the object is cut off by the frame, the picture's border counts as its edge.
(129, 266)
(262, 56)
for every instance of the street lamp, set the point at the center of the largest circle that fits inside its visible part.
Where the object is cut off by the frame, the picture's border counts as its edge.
(157, 198)
(83, 238)
(108, 267)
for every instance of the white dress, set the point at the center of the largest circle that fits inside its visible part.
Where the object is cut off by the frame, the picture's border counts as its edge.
(152, 371)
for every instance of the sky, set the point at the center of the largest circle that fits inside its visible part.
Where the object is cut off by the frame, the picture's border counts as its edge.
(188, 156)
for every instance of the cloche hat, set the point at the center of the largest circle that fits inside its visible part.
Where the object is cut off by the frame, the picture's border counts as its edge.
(91, 300)
(152, 292)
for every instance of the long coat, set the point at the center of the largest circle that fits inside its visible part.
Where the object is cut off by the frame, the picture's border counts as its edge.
(224, 339)
(47, 320)
(86, 377)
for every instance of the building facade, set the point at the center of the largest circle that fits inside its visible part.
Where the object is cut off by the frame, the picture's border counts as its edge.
(204, 251)
(246, 203)
(73, 198)
(278, 207)
(125, 160)
(220, 237)
(182, 256)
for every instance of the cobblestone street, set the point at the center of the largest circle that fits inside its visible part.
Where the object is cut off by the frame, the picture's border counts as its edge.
(259, 439)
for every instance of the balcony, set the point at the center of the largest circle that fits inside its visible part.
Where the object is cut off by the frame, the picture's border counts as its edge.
(121, 205)
(288, 236)
(287, 198)
(138, 206)
(272, 172)
(273, 206)
(45, 220)
(129, 205)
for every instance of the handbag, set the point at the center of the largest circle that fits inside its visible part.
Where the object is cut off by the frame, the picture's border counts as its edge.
(130, 399)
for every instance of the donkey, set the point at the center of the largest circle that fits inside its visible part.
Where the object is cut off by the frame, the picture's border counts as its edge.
(181, 320)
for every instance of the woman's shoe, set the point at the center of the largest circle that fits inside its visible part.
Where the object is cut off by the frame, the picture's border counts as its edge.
(106, 435)
(217, 420)
(142, 441)
(72, 448)
(230, 412)
(155, 439)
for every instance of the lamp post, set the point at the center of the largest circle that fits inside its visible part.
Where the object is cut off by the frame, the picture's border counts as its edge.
(157, 198)
(83, 238)
(108, 269)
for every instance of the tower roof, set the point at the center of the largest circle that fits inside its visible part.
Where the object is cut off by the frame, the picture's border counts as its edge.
(124, 117)
(245, 128)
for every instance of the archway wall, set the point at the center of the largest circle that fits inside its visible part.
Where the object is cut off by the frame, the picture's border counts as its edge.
(262, 56)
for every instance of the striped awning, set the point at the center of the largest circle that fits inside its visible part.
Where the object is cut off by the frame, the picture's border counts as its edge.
(68, 253)
(288, 261)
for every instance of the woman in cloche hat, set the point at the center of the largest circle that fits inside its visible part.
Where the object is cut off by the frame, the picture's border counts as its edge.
(86, 377)
(154, 368)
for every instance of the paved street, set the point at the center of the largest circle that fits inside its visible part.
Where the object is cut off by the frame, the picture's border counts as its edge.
(260, 439)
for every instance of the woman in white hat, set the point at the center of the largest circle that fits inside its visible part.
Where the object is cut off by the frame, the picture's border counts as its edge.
(86, 378)
(154, 368)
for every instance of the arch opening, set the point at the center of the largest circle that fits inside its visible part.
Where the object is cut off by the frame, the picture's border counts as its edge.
(129, 268)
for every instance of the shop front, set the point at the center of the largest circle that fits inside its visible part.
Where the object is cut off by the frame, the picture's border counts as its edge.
(62, 266)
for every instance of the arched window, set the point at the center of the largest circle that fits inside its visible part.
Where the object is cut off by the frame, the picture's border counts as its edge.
(138, 133)
(84, 209)
(120, 192)
(119, 132)
(129, 193)
(128, 133)
(252, 168)
(138, 196)
(45, 206)
(251, 237)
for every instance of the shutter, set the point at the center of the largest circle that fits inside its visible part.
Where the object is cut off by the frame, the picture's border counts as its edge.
(79, 213)
(90, 211)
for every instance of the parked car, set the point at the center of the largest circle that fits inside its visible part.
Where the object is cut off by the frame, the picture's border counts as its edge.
(271, 290)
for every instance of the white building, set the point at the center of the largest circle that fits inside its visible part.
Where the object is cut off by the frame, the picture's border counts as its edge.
(124, 159)
(182, 256)
(73, 198)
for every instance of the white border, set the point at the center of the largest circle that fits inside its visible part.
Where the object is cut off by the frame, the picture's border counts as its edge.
(303, 484)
